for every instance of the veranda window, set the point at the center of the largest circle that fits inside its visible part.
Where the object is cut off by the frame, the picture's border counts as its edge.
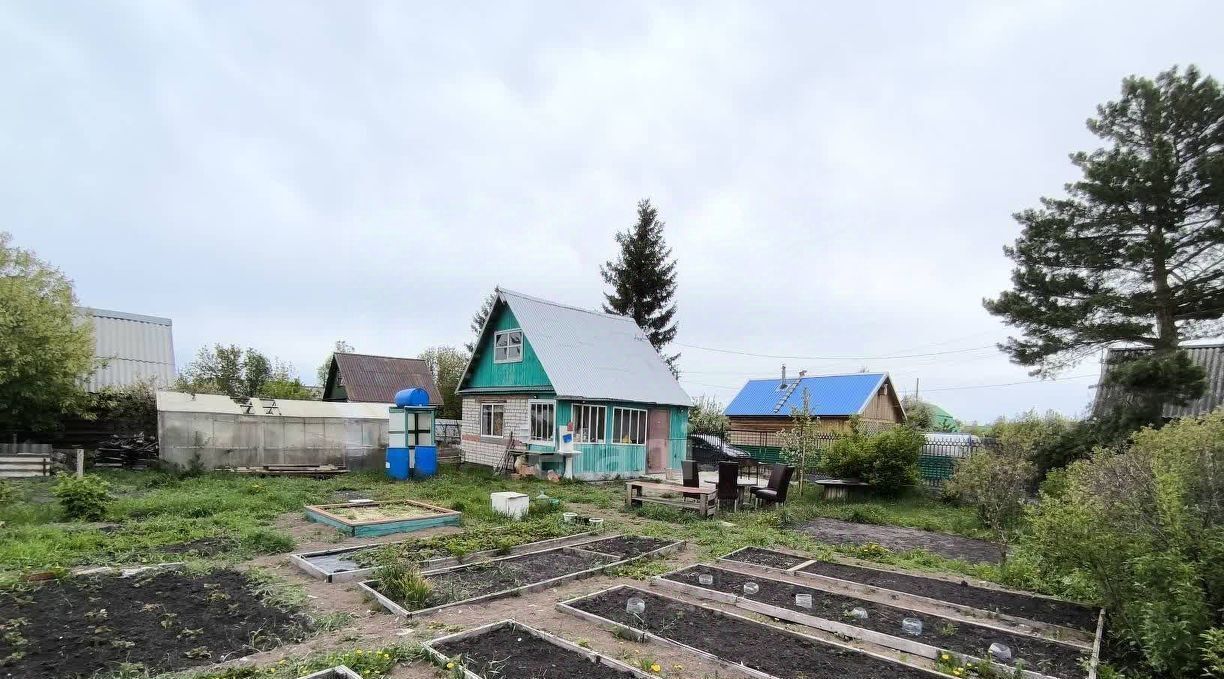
(543, 421)
(629, 426)
(589, 425)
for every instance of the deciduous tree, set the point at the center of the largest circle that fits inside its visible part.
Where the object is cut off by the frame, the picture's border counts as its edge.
(447, 364)
(46, 349)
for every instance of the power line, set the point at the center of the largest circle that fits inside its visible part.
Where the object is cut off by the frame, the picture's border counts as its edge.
(1009, 384)
(832, 358)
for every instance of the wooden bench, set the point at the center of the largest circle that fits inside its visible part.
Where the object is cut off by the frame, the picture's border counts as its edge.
(840, 489)
(700, 499)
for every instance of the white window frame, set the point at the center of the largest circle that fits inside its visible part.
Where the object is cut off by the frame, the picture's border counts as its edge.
(552, 421)
(491, 409)
(588, 410)
(637, 417)
(504, 349)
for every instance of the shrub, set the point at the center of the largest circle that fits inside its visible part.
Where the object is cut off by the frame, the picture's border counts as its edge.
(995, 482)
(1146, 527)
(83, 499)
(887, 460)
(403, 583)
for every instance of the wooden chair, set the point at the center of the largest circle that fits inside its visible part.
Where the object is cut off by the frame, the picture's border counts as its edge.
(691, 477)
(779, 483)
(728, 483)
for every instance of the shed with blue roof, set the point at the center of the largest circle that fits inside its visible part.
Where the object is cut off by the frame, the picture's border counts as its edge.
(765, 405)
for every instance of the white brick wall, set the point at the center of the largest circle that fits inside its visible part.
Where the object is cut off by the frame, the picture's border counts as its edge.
(488, 450)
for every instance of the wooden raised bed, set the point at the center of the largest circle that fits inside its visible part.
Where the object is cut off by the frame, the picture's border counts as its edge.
(371, 519)
(331, 565)
(371, 586)
(745, 646)
(531, 652)
(975, 599)
(968, 641)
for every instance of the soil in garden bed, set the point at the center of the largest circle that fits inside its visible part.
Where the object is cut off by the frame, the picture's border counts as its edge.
(1046, 657)
(759, 646)
(766, 557)
(898, 539)
(1036, 608)
(165, 620)
(489, 577)
(507, 653)
(625, 546)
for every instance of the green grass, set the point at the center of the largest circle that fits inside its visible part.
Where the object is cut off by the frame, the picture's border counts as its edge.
(155, 511)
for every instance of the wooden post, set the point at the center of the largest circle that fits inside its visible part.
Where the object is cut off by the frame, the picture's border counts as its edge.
(80, 462)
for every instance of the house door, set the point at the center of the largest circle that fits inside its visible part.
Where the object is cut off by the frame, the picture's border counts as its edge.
(657, 438)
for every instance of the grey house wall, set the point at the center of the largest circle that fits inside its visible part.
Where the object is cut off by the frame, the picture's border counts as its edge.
(229, 440)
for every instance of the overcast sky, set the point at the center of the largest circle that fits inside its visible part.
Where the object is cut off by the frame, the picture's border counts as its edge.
(837, 179)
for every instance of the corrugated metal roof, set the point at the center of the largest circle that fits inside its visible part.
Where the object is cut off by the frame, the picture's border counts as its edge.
(594, 355)
(134, 348)
(180, 402)
(376, 379)
(828, 395)
(1209, 356)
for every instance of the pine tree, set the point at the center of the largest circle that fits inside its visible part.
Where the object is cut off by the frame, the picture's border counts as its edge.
(643, 280)
(1135, 251)
(478, 321)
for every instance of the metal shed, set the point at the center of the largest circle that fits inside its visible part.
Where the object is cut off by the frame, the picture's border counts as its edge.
(130, 348)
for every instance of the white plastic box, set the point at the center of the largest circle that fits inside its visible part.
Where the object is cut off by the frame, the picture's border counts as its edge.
(513, 505)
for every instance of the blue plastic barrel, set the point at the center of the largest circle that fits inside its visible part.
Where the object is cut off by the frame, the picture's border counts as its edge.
(426, 461)
(397, 463)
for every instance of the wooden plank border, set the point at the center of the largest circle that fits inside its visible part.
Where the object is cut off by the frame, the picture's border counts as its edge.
(594, 656)
(337, 672)
(1046, 630)
(302, 559)
(368, 585)
(644, 635)
(439, 517)
(835, 627)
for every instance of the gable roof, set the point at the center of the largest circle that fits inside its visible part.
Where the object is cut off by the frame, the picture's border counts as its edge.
(828, 395)
(1210, 357)
(588, 354)
(375, 379)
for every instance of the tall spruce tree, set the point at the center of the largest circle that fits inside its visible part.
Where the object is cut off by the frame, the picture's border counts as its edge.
(478, 321)
(1135, 251)
(643, 280)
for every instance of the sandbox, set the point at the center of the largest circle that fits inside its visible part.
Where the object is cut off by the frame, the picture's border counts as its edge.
(370, 519)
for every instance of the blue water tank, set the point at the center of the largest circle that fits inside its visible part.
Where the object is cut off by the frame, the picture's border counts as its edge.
(397, 463)
(426, 461)
(416, 396)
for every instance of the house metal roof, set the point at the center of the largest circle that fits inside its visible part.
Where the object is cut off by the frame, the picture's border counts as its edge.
(130, 348)
(1208, 356)
(591, 354)
(828, 395)
(376, 379)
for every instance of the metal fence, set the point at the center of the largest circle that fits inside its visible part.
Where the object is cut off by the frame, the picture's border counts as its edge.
(447, 431)
(936, 461)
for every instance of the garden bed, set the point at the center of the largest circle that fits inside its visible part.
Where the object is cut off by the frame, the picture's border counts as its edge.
(358, 563)
(1018, 605)
(1027, 606)
(1050, 658)
(898, 539)
(625, 546)
(369, 519)
(755, 648)
(506, 576)
(162, 620)
(510, 650)
(766, 557)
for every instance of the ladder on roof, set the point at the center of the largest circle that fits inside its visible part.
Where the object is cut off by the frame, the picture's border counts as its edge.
(786, 397)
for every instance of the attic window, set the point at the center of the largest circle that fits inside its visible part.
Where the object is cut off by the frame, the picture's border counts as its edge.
(508, 346)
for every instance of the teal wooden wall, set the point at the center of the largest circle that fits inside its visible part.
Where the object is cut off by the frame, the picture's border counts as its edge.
(607, 459)
(526, 373)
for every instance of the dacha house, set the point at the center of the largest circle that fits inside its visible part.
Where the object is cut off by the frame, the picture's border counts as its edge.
(541, 368)
(765, 405)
